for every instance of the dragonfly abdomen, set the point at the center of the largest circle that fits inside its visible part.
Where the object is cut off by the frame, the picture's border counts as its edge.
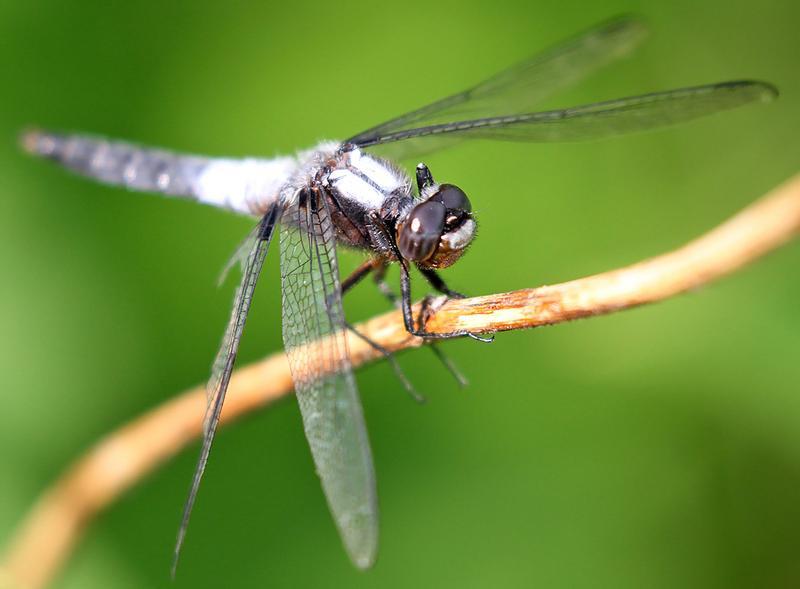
(244, 186)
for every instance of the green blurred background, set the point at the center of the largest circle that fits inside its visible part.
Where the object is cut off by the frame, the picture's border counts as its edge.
(654, 448)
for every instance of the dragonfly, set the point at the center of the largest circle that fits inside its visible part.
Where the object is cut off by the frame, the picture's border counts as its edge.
(354, 193)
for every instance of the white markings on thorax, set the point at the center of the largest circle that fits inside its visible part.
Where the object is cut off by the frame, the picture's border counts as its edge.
(355, 187)
(366, 179)
(378, 172)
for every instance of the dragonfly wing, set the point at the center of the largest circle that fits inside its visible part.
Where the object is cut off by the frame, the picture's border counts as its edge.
(520, 88)
(588, 122)
(315, 340)
(258, 242)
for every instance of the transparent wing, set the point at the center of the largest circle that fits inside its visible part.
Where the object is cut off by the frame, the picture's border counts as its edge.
(314, 338)
(519, 88)
(259, 241)
(592, 121)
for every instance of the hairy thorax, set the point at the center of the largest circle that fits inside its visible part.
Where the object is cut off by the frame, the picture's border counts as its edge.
(354, 185)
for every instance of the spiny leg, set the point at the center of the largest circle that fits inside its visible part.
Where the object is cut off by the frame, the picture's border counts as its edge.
(448, 364)
(372, 265)
(401, 376)
(436, 281)
(408, 315)
(378, 268)
(378, 277)
(358, 274)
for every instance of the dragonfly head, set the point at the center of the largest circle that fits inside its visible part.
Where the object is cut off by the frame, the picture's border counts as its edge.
(438, 230)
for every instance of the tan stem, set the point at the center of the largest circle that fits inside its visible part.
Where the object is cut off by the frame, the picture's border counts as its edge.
(52, 528)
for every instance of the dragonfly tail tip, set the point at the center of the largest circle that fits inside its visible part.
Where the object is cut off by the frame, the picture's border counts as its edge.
(29, 140)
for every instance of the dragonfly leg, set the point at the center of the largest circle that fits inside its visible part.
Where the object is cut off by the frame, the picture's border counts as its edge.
(389, 356)
(358, 274)
(433, 278)
(378, 276)
(408, 316)
(377, 267)
(448, 363)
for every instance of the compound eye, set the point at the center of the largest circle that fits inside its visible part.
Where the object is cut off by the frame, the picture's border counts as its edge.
(419, 236)
(452, 197)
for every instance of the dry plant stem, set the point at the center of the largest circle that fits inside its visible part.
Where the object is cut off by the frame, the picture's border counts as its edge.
(55, 523)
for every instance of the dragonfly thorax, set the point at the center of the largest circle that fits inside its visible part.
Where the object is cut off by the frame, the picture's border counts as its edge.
(373, 207)
(360, 187)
